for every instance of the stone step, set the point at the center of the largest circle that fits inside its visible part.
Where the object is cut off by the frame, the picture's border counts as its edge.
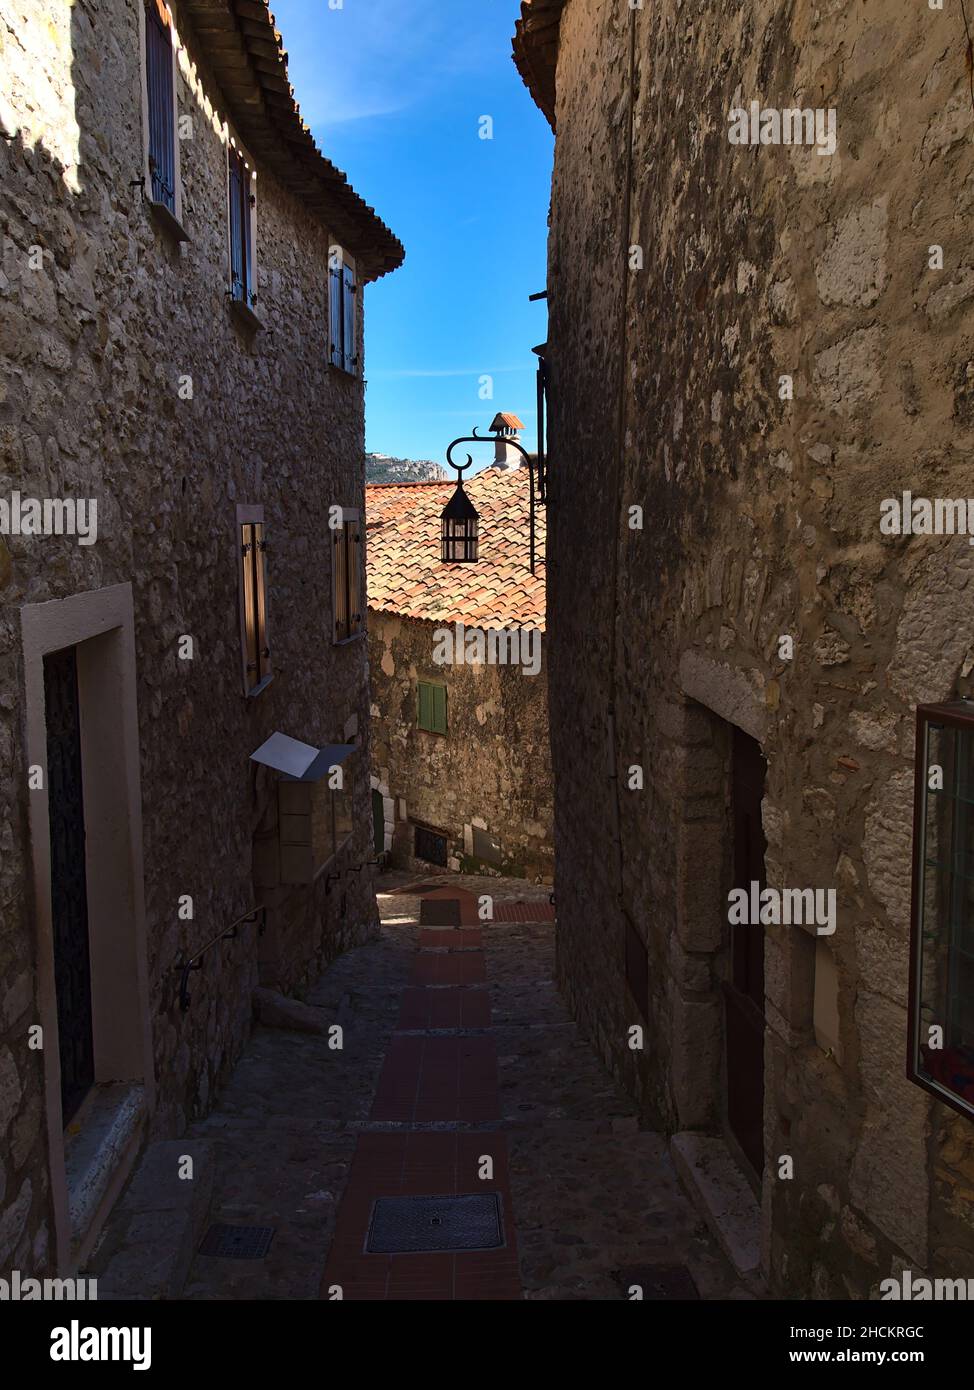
(722, 1196)
(148, 1245)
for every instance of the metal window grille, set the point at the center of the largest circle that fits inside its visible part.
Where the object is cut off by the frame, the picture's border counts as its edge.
(430, 846)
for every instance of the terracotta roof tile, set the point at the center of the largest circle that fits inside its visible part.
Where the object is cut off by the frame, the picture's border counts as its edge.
(407, 576)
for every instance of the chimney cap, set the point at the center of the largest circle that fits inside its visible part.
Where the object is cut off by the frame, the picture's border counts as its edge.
(505, 423)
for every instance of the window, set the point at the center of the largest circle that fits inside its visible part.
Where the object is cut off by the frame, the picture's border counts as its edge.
(255, 648)
(430, 845)
(342, 318)
(161, 113)
(241, 203)
(941, 1051)
(431, 707)
(346, 576)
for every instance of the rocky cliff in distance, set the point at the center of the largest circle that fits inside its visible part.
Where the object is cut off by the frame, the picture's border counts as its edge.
(381, 468)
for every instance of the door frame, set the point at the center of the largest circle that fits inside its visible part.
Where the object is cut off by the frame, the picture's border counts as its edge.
(100, 623)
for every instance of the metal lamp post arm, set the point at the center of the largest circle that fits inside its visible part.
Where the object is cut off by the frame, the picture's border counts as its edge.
(476, 438)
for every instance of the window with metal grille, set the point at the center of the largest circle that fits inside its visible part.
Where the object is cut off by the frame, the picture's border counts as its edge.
(431, 707)
(159, 89)
(241, 202)
(342, 318)
(347, 577)
(941, 1023)
(429, 845)
(253, 592)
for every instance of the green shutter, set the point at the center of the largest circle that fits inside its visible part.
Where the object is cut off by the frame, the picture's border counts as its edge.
(439, 709)
(425, 705)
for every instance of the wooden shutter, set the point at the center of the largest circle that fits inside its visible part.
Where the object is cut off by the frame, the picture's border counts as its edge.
(439, 709)
(340, 583)
(350, 355)
(159, 87)
(251, 643)
(353, 533)
(335, 321)
(260, 593)
(425, 710)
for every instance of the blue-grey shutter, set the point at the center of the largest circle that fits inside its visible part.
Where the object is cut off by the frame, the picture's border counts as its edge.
(162, 132)
(335, 354)
(238, 253)
(348, 325)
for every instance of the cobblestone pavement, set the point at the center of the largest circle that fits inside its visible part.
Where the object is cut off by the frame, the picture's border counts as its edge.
(437, 1071)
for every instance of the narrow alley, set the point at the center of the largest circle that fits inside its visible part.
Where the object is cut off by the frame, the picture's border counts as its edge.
(456, 1048)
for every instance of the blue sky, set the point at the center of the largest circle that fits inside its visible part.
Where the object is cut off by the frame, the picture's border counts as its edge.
(394, 91)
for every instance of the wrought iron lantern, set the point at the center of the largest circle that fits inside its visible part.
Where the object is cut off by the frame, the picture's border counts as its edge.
(459, 522)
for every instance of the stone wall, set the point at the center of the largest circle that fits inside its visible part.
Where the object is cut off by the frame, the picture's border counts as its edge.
(93, 345)
(761, 519)
(491, 771)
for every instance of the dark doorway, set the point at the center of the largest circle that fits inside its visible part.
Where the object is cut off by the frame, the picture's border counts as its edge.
(69, 888)
(744, 991)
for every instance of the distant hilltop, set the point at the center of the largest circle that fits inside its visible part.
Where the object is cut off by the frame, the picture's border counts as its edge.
(381, 468)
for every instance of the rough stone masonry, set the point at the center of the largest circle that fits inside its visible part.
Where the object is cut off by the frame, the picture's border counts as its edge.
(125, 378)
(756, 344)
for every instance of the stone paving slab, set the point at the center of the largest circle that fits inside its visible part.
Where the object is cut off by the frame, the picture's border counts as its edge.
(588, 1196)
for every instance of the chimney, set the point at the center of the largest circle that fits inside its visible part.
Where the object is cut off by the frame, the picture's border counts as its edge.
(505, 426)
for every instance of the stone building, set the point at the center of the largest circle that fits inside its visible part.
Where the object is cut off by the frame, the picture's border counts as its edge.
(760, 339)
(461, 771)
(181, 408)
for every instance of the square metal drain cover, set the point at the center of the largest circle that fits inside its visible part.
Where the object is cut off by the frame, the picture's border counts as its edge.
(664, 1283)
(439, 912)
(401, 1225)
(237, 1242)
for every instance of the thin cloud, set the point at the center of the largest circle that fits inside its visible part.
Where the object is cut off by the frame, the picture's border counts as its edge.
(446, 371)
(368, 60)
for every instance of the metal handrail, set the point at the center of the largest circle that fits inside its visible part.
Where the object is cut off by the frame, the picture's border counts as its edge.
(195, 962)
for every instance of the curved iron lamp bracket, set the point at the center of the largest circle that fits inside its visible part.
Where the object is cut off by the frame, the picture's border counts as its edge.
(535, 473)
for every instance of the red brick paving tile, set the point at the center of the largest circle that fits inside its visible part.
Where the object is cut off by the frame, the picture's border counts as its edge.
(444, 1008)
(524, 912)
(429, 1168)
(450, 939)
(451, 968)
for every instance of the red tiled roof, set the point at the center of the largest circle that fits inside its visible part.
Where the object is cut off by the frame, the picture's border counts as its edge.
(505, 420)
(407, 576)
